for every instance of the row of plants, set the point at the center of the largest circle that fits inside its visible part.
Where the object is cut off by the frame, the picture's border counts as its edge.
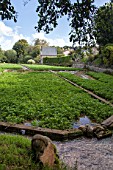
(106, 78)
(102, 88)
(49, 67)
(4, 66)
(47, 99)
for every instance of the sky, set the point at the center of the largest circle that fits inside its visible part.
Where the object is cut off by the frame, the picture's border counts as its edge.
(11, 32)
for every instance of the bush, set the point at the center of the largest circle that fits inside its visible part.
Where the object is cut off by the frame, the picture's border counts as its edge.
(62, 61)
(31, 61)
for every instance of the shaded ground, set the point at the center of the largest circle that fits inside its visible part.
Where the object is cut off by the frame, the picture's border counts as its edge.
(90, 154)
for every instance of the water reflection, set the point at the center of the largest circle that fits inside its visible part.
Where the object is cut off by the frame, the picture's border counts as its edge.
(82, 121)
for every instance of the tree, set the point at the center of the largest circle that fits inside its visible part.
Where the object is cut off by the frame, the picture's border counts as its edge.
(34, 51)
(2, 56)
(79, 14)
(21, 47)
(7, 10)
(40, 42)
(103, 24)
(11, 56)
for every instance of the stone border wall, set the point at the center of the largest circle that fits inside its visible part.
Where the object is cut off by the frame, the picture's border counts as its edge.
(93, 68)
(53, 134)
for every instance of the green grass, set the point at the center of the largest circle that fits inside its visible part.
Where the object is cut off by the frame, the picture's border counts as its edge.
(16, 154)
(48, 67)
(47, 98)
(4, 66)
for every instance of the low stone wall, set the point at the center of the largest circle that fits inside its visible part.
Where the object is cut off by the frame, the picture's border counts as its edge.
(76, 65)
(93, 68)
(98, 69)
(53, 134)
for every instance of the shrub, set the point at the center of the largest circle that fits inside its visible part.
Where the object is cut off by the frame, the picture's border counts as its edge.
(63, 61)
(31, 61)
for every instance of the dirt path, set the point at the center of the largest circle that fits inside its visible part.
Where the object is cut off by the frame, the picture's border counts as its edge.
(90, 154)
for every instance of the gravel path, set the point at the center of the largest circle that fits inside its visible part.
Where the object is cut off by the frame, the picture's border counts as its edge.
(90, 154)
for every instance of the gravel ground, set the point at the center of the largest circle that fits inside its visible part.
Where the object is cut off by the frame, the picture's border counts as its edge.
(90, 154)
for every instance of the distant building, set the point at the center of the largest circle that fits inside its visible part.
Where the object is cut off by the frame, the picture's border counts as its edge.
(47, 52)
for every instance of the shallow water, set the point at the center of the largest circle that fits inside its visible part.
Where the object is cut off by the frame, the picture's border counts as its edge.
(83, 120)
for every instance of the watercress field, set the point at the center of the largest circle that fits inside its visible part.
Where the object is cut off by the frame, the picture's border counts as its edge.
(102, 85)
(45, 98)
(4, 66)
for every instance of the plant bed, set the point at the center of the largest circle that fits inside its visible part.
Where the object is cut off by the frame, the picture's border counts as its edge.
(6, 66)
(48, 67)
(103, 88)
(46, 99)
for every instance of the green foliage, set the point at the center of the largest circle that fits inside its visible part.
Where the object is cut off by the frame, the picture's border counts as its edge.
(47, 98)
(31, 61)
(40, 42)
(11, 56)
(103, 89)
(34, 51)
(107, 55)
(4, 66)
(2, 56)
(79, 14)
(20, 47)
(7, 10)
(63, 61)
(16, 154)
(59, 50)
(103, 22)
(26, 58)
(49, 67)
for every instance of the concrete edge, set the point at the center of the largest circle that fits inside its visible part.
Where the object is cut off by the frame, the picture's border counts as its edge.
(53, 134)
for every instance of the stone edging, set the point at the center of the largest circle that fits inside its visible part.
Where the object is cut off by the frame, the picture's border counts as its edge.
(58, 135)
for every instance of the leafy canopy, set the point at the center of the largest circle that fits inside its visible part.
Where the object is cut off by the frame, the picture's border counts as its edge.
(79, 13)
(103, 23)
(20, 47)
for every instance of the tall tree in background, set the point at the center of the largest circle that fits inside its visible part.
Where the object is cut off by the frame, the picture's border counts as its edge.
(21, 47)
(11, 56)
(2, 56)
(103, 24)
(40, 42)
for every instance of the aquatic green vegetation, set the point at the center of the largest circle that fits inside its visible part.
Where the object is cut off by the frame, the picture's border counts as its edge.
(103, 87)
(43, 96)
(48, 67)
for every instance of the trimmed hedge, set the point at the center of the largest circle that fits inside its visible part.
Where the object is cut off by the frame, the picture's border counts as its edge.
(63, 61)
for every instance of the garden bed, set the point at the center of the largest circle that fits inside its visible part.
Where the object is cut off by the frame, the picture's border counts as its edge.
(47, 101)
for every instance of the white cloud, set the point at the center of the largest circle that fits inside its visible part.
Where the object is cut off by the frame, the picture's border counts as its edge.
(53, 41)
(5, 30)
(9, 36)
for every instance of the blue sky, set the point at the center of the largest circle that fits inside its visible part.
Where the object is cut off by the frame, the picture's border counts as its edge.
(11, 32)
